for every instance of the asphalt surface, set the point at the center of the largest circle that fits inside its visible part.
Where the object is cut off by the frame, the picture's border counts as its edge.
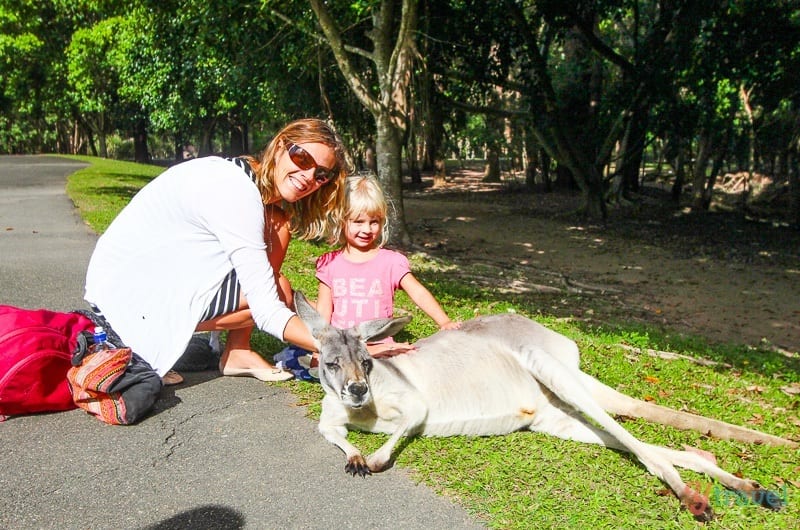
(217, 452)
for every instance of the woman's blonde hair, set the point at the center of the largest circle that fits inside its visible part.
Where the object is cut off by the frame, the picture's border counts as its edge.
(319, 213)
(363, 195)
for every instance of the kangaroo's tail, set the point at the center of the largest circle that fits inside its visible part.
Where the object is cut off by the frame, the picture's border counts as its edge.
(618, 403)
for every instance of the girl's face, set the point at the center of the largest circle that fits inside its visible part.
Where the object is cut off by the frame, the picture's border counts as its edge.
(363, 231)
(301, 169)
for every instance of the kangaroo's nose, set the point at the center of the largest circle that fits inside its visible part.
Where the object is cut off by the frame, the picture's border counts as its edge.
(358, 389)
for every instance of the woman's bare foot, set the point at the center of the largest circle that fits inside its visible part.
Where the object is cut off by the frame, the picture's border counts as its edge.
(239, 360)
(242, 359)
(237, 354)
(247, 363)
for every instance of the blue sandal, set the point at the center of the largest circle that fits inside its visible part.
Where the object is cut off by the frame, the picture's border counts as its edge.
(297, 361)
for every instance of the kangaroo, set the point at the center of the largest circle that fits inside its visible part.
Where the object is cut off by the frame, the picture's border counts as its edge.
(495, 375)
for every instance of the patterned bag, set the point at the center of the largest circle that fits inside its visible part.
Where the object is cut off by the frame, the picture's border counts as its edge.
(115, 385)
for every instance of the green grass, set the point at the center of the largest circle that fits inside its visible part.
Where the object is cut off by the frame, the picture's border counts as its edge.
(528, 480)
(101, 190)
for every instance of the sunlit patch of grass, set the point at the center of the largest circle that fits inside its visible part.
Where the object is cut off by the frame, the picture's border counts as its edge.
(527, 480)
(101, 190)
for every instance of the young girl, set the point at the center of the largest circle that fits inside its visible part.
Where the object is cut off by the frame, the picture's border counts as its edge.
(358, 281)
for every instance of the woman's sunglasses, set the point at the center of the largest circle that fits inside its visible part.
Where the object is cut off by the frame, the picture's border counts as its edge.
(303, 159)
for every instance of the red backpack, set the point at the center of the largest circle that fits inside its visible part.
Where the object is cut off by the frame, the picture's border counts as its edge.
(36, 348)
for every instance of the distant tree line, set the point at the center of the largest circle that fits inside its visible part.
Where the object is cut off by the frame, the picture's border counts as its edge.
(589, 94)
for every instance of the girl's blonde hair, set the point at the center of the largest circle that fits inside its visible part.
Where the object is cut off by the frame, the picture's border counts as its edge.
(318, 214)
(363, 195)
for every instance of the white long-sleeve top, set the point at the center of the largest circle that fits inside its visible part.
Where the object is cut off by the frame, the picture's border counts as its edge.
(156, 268)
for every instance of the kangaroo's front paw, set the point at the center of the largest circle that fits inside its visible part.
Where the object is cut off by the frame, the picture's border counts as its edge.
(356, 465)
(378, 463)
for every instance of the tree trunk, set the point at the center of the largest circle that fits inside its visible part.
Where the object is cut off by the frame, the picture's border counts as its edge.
(178, 145)
(433, 132)
(238, 140)
(680, 176)
(716, 167)
(140, 151)
(101, 134)
(793, 169)
(393, 55)
(440, 172)
(411, 159)
(633, 151)
(744, 94)
(704, 149)
(658, 153)
(101, 140)
(584, 175)
(432, 122)
(532, 162)
(593, 195)
(207, 137)
(389, 150)
(564, 179)
(544, 161)
(491, 171)
(90, 141)
(626, 159)
(562, 128)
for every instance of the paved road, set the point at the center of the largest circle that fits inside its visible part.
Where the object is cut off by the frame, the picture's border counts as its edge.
(44, 245)
(218, 452)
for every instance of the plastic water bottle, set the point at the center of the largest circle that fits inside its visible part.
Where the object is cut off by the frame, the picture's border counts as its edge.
(101, 340)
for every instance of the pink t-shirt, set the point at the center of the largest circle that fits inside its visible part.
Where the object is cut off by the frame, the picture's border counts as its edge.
(362, 291)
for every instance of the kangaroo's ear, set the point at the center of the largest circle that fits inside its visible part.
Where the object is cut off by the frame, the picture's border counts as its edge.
(308, 314)
(380, 328)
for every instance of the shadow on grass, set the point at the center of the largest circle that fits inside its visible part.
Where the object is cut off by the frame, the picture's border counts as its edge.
(125, 185)
(728, 358)
(764, 361)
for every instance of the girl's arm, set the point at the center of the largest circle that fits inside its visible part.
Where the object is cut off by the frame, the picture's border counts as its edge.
(325, 302)
(425, 301)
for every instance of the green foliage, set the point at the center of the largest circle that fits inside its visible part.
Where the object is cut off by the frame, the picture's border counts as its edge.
(580, 80)
(90, 72)
(206, 63)
(38, 110)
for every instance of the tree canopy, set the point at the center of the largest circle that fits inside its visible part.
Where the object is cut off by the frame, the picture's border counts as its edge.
(594, 94)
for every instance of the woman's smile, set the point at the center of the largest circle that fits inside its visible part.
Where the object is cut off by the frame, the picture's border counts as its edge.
(294, 183)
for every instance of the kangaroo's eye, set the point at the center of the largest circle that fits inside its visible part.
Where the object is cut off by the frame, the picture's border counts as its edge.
(332, 366)
(366, 365)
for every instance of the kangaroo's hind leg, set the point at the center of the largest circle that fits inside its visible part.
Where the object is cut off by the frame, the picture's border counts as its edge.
(567, 390)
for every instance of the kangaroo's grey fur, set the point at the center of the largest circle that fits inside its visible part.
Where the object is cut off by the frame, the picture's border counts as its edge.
(495, 375)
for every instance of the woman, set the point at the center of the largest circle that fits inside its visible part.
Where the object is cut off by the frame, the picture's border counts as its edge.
(200, 249)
